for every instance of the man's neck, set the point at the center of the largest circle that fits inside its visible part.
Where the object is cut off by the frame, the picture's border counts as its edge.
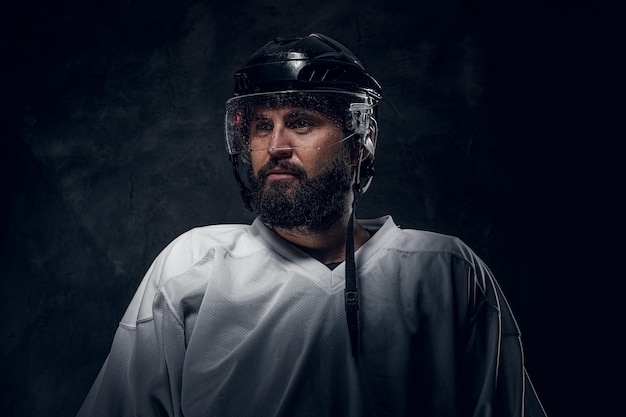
(328, 246)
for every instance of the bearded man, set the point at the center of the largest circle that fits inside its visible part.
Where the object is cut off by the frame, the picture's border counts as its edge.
(309, 311)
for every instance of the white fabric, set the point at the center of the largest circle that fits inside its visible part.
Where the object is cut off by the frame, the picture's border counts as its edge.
(232, 320)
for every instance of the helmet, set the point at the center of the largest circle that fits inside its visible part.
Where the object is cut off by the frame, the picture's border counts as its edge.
(315, 62)
(313, 72)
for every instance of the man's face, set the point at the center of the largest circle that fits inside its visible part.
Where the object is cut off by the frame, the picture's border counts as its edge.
(300, 170)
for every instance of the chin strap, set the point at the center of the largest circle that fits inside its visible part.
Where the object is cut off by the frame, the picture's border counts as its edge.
(351, 294)
(351, 291)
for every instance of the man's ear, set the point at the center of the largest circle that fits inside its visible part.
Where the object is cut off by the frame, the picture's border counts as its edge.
(354, 154)
(354, 151)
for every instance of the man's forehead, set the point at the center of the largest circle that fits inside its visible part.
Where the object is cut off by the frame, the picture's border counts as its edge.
(286, 110)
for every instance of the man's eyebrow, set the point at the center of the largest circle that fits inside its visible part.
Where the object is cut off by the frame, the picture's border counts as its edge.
(259, 116)
(304, 111)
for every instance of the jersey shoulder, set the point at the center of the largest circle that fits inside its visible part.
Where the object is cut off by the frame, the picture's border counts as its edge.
(180, 255)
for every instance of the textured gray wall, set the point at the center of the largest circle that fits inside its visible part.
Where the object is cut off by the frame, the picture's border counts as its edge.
(113, 146)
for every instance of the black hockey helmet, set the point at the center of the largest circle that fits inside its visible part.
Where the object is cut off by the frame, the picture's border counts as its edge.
(314, 71)
(315, 62)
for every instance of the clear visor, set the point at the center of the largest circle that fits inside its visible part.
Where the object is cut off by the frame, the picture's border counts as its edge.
(247, 130)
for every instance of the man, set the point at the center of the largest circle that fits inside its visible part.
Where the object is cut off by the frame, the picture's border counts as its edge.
(308, 311)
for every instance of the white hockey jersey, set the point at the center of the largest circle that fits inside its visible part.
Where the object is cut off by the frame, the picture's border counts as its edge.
(232, 320)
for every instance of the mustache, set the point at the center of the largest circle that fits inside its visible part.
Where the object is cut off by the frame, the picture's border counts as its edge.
(283, 164)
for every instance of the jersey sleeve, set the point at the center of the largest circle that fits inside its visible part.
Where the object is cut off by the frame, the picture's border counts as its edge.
(142, 372)
(495, 379)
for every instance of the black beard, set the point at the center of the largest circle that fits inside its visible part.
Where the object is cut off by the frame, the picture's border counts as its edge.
(314, 205)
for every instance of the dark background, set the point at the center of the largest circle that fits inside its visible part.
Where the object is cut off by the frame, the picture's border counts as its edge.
(496, 127)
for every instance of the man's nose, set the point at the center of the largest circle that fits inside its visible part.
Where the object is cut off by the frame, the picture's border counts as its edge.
(280, 145)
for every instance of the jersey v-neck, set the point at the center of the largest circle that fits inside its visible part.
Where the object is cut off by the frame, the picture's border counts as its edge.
(326, 278)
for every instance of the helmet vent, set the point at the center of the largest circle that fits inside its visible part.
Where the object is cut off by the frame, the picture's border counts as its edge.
(241, 81)
(321, 73)
(315, 75)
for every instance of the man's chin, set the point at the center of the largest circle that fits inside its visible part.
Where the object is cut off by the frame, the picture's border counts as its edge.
(285, 186)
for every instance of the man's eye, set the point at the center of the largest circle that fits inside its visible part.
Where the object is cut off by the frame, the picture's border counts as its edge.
(262, 126)
(301, 124)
